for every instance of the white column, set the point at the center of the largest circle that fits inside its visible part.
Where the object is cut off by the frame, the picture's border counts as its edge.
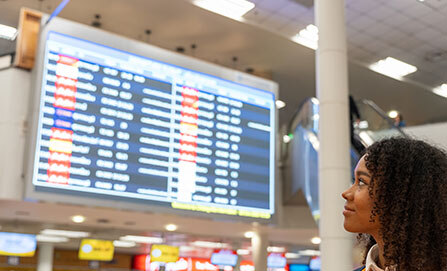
(45, 257)
(259, 243)
(334, 159)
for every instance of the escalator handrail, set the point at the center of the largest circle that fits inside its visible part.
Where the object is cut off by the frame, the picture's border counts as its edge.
(380, 112)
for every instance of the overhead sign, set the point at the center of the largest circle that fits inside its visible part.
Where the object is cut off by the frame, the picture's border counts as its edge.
(17, 244)
(164, 253)
(96, 250)
(276, 260)
(224, 257)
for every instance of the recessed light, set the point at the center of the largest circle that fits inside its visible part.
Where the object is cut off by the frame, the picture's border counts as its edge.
(249, 234)
(233, 9)
(316, 240)
(393, 114)
(78, 219)
(393, 68)
(171, 227)
(70, 234)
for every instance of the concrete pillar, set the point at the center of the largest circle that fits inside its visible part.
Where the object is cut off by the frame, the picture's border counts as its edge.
(259, 243)
(45, 257)
(334, 160)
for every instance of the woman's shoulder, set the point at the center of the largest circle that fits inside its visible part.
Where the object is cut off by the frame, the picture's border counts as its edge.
(360, 269)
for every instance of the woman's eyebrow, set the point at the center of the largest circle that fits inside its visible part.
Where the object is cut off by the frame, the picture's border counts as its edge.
(359, 172)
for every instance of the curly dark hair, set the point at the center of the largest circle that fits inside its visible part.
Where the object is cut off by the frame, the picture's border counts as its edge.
(409, 188)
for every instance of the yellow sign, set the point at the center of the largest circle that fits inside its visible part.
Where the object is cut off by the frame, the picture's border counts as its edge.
(96, 250)
(164, 254)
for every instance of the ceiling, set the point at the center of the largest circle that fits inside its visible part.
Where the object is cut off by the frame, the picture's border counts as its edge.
(111, 224)
(409, 30)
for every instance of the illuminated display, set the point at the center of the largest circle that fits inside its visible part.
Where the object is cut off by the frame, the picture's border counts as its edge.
(98, 250)
(115, 125)
(17, 244)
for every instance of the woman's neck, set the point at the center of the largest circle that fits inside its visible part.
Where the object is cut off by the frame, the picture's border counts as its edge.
(381, 261)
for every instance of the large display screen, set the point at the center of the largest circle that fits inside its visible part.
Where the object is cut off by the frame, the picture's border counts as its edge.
(116, 125)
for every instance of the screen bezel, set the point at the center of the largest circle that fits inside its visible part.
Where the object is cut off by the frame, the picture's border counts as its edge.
(143, 49)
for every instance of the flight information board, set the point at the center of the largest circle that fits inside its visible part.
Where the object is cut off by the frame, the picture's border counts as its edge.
(117, 125)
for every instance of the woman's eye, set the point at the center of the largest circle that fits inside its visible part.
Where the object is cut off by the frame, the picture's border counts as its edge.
(362, 182)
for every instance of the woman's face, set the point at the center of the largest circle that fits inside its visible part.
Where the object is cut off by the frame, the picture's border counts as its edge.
(359, 204)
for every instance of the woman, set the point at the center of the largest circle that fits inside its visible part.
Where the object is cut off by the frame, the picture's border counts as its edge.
(398, 204)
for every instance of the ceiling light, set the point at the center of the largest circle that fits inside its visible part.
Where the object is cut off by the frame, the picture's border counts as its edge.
(120, 243)
(249, 234)
(78, 219)
(393, 114)
(309, 252)
(208, 244)
(185, 249)
(441, 90)
(142, 239)
(307, 37)
(316, 240)
(280, 104)
(233, 9)
(243, 252)
(292, 255)
(8, 32)
(51, 239)
(276, 249)
(393, 68)
(171, 227)
(70, 234)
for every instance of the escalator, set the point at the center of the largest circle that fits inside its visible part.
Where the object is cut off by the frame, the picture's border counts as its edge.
(300, 145)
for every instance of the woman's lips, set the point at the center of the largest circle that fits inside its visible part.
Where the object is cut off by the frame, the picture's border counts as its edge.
(348, 211)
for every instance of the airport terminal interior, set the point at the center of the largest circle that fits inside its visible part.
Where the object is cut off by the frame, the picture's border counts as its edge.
(184, 135)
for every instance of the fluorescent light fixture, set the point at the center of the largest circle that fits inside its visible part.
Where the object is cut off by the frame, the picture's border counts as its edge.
(363, 124)
(316, 240)
(142, 239)
(78, 219)
(243, 252)
(290, 255)
(392, 114)
(276, 249)
(171, 227)
(307, 37)
(120, 243)
(69, 234)
(280, 104)
(233, 9)
(393, 68)
(249, 234)
(51, 239)
(441, 90)
(310, 252)
(8, 32)
(208, 244)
